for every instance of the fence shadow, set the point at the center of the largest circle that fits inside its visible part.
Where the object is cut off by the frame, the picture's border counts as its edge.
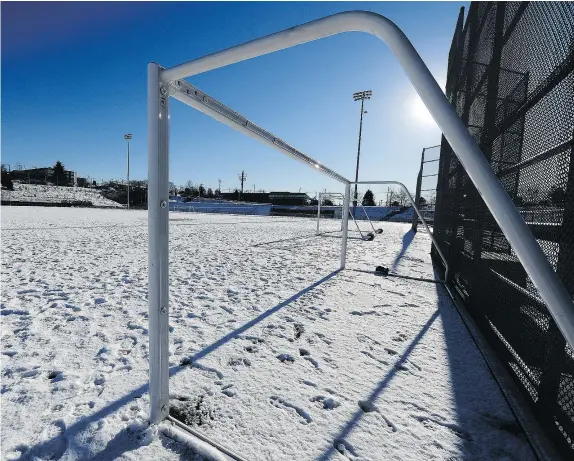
(479, 406)
(339, 438)
(407, 240)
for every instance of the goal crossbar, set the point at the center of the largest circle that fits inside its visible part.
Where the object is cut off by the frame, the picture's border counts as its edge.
(160, 85)
(194, 97)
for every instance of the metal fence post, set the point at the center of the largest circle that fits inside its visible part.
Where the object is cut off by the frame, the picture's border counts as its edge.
(345, 229)
(158, 247)
(418, 191)
(318, 211)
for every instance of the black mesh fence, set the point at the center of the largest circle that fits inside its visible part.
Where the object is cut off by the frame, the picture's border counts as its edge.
(511, 80)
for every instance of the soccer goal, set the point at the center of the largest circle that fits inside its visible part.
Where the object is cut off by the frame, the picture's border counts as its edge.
(327, 195)
(365, 235)
(165, 83)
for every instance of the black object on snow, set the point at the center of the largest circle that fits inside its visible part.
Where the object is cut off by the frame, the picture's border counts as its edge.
(382, 270)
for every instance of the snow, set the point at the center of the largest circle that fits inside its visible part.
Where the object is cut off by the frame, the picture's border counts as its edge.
(56, 194)
(273, 353)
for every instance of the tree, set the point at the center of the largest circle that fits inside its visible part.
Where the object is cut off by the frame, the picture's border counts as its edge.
(369, 198)
(201, 190)
(172, 189)
(403, 198)
(327, 202)
(391, 193)
(209, 192)
(422, 201)
(395, 203)
(59, 174)
(6, 178)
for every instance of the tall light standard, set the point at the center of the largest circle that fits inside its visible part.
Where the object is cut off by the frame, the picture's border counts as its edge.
(360, 96)
(128, 137)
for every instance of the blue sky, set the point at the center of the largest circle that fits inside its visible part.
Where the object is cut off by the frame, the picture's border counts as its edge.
(74, 81)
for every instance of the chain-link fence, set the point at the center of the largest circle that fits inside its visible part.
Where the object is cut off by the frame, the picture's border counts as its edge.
(511, 80)
(425, 194)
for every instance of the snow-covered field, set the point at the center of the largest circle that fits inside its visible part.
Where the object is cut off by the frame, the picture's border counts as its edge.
(56, 194)
(273, 353)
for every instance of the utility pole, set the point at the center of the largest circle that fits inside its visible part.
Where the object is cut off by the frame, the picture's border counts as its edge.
(242, 178)
(219, 190)
(360, 96)
(128, 137)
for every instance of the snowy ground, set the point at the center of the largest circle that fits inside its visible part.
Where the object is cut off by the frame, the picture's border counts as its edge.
(56, 194)
(273, 354)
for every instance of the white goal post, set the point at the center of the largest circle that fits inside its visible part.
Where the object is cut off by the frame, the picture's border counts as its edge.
(163, 83)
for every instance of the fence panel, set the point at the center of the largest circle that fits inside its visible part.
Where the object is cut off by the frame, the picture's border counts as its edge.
(511, 79)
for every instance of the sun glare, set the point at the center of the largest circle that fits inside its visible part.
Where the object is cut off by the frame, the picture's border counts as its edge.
(418, 112)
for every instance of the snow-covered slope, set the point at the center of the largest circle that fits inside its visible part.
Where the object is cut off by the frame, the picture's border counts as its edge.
(272, 352)
(56, 194)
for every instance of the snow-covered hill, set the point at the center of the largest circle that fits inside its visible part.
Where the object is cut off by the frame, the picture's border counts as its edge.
(56, 194)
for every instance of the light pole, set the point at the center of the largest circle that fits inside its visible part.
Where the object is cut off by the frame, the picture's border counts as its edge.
(360, 96)
(128, 137)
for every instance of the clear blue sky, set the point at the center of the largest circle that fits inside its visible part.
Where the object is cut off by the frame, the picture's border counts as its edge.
(74, 81)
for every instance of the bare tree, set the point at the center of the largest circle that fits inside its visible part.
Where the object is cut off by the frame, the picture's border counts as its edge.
(402, 197)
(391, 195)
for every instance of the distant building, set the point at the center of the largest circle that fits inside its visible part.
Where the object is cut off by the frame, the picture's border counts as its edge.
(82, 182)
(275, 198)
(41, 175)
(289, 198)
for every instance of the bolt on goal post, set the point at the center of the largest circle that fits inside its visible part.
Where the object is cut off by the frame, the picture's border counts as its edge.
(161, 85)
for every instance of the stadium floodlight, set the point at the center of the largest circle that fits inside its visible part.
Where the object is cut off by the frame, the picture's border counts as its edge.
(360, 96)
(128, 137)
(163, 83)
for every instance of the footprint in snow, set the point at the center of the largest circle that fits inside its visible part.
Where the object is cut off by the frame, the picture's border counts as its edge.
(438, 420)
(30, 373)
(367, 406)
(286, 358)
(235, 362)
(326, 403)
(400, 337)
(345, 448)
(278, 402)
(228, 391)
